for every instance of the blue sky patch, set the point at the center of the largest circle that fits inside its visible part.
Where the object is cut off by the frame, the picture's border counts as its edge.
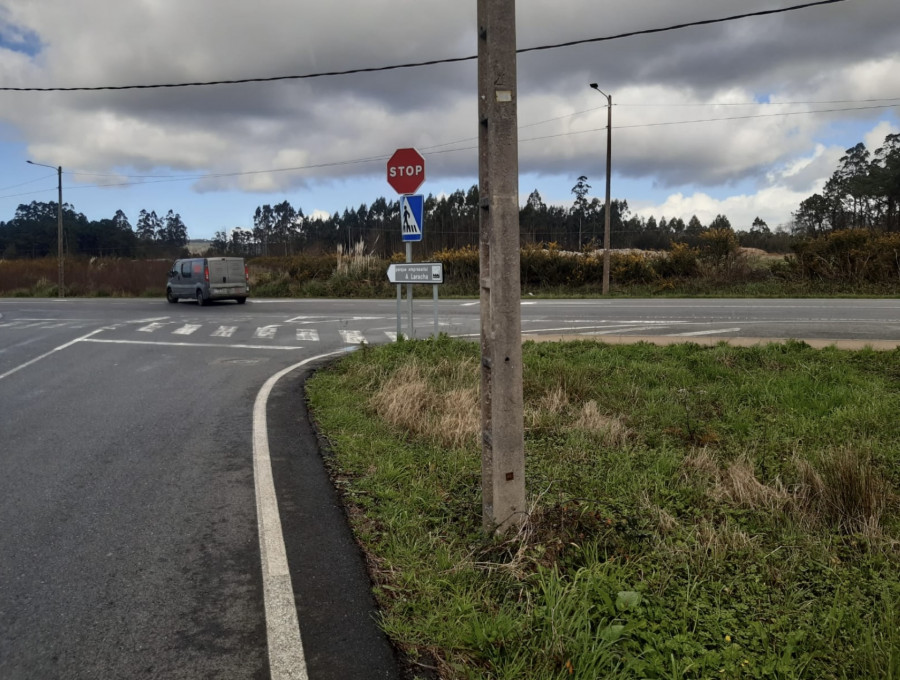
(18, 39)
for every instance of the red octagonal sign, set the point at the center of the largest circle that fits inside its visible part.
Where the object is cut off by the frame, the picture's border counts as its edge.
(406, 171)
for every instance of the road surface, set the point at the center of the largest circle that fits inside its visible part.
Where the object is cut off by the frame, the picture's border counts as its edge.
(130, 543)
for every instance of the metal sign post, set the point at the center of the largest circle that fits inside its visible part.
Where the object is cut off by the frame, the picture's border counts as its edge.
(417, 272)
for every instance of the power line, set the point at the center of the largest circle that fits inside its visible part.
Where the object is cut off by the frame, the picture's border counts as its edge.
(809, 103)
(659, 124)
(431, 62)
(162, 179)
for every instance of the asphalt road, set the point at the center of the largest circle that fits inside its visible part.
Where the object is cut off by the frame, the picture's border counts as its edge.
(129, 536)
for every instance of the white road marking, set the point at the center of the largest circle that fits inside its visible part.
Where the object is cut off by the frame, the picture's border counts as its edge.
(155, 318)
(712, 332)
(150, 327)
(353, 337)
(187, 329)
(224, 331)
(392, 335)
(286, 658)
(303, 318)
(266, 332)
(83, 338)
(623, 330)
(470, 304)
(190, 344)
(311, 335)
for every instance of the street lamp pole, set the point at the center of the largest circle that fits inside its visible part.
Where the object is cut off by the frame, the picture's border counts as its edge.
(608, 177)
(59, 229)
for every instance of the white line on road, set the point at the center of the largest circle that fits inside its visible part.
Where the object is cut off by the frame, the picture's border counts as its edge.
(712, 332)
(224, 331)
(155, 318)
(188, 344)
(622, 330)
(353, 337)
(303, 318)
(150, 327)
(310, 335)
(286, 658)
(187, 329)
(265, 332)
(83, 338)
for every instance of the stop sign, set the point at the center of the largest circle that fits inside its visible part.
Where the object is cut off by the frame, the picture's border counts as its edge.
(406, 171)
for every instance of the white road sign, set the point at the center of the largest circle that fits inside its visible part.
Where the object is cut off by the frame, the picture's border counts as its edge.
(417, 272)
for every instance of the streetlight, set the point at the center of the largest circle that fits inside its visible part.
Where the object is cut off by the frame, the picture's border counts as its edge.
(608, 173)
(59, 235)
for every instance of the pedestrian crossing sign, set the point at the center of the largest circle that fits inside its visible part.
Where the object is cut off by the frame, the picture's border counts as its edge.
(411, 215)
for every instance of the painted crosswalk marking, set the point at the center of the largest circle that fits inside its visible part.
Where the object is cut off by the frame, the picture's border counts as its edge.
(308, 335)
(224, 331)
(392, 335)
(352, 337)
(266, 332)
(150, 327)
(187, 329)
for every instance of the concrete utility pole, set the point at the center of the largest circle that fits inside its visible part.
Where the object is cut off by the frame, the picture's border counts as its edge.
(608, 174)
(59, 228)
(502, 419)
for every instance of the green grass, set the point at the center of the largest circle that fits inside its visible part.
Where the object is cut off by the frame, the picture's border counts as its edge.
(697, 512)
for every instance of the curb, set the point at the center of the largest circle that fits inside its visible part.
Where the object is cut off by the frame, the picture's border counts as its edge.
(817, 343)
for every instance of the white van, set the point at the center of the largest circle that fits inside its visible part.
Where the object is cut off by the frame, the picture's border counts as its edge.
(209, 278)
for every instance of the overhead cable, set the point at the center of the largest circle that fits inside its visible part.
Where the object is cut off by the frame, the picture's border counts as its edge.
(431, 62)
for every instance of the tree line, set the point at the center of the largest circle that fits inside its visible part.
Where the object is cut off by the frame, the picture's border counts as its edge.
(862, 193)
(33, 232)
(452, 222)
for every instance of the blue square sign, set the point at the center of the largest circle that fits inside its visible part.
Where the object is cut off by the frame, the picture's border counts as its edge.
(412, 209)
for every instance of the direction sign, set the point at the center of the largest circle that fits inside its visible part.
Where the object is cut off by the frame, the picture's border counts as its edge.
(418, 272)
(406, 170)
(411, 212)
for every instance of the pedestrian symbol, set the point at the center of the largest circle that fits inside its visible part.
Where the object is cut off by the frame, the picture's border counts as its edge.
(411, 209)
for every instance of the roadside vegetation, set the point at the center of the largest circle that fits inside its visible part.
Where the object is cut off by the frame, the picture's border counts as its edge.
(842, 263)
(695, 512)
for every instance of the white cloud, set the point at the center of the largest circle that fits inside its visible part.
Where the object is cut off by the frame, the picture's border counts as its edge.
(875, 138)
(829, 53)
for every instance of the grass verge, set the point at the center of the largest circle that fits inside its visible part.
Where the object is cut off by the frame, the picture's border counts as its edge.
(696, 512)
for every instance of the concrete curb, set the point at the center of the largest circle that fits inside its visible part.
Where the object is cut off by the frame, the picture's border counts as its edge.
(708, 341)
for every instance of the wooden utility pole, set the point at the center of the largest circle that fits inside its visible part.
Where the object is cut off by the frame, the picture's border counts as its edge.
(502, 418)
(59, 229)
(59, 237)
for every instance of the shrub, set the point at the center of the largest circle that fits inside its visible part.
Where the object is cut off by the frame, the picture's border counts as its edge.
(849, 255)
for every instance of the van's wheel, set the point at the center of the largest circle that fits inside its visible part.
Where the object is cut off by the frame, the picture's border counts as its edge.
(241, 300)
(200, 300)
(169, 296)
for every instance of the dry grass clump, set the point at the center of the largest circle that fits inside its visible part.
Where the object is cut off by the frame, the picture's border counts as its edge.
(845, 492)
(738, 485)
(460, 417)
(404, 398)
(612, 430)
(719, 541)
(408, 399)
(554, 402)
(442, 404)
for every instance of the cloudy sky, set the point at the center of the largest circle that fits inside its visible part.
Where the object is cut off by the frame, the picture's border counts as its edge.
(745, 118)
